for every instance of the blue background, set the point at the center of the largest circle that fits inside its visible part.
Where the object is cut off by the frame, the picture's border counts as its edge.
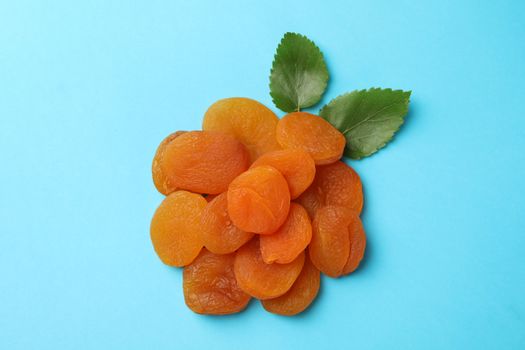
(88, 90)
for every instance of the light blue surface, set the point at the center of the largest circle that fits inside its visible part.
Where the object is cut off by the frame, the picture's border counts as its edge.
(88, 90)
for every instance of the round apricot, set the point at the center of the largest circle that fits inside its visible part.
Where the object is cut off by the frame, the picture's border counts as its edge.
(220, 235)
(300, 296)
(210, 286)
(284, 245)
(296, 165)
(330, 245)
(313, 134)
(259, 200)
(261, 280)
(203, 161)
(175, 228)
(334, 184)
(161, 181)
(249, 121)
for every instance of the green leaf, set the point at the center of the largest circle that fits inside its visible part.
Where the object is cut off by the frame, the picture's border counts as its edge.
(367, 118)
(299, 76)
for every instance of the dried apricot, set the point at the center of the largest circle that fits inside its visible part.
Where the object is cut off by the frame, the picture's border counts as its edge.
(313, 134)
(357, 244)
(210, 197)
(210, 286)
(175, 228)
(309, 200)
(300, 296)
(220, 235)
(249, 121)
(296, 165)
(334, 184)
(259, 200)
(261, 280)
(203, 161)
(162, 183)
(284, 245)
(330, 245)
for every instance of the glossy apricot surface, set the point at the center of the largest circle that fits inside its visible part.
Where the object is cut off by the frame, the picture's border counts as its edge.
(262, 280)
(259, 200)
(220, 235)
(176, 228)
(290, 240)
(296, 165)
(300, 296)
(249, 121)
(203, 162)
(313, 134)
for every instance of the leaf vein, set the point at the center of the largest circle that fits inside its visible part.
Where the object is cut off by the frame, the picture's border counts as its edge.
(369, 117)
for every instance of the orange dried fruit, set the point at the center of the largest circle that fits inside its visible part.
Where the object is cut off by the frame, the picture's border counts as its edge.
(330, 245)
(334, 184)
(357, 244)
(210, 286)
(313, 134)
(202, 161)
(220, 235)
(296, 165)
(259, 200)
(261, 280)
(300, 296)
(175, 228)
(210, 197)
(162, 183)
(290, 240)
(310, 200)
(249, 121)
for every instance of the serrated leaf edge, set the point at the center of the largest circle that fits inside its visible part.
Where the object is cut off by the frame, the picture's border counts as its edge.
(287, 34)
(408, 94)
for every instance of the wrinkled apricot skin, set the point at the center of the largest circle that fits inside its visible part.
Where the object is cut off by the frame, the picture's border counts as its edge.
(203, 162)
(334, 184)
(330, 245)
(219, 234)
(300, 296)
(162, 183)
(296, 165)
(175, 228)
(259, 200)
(261, 280)
(313, 134)
(310, 200)
(338, 241)
(256, 207)
(357, 244)
(284, 245)
(210, 286)
(249, 121)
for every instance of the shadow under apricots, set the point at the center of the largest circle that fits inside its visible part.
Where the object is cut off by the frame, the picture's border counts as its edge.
(311, 308)
(229, 317)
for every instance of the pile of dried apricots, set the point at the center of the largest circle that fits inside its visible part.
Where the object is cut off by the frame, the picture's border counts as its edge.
(256, 206)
